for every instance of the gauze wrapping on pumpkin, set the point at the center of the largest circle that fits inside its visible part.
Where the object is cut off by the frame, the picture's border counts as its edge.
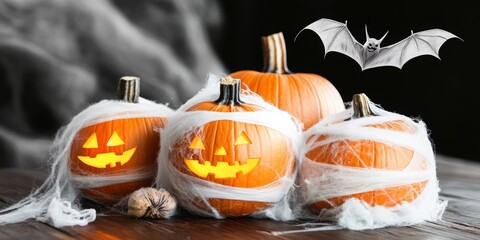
(367, 168)
(230, 157)
(55, 202)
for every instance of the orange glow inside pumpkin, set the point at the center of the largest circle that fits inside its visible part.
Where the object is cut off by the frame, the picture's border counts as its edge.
(221, 170)
(102, 160)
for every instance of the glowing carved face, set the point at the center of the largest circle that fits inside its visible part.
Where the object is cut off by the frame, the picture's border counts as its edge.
(224, 169)
(102, 160)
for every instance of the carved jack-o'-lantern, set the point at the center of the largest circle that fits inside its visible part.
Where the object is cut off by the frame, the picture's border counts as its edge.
(232, 153)
(222, 170)
(117, 148)
(104, 159)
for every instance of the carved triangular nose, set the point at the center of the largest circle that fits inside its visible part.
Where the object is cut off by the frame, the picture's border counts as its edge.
(220, 151)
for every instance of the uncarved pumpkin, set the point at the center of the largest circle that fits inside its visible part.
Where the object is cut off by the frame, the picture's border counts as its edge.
(232, 153)
(115, 148)
(306, 96)
(369, 154)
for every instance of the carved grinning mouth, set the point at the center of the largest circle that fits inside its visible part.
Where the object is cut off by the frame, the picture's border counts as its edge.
(222, 169)
(102, 160)
(371, 49)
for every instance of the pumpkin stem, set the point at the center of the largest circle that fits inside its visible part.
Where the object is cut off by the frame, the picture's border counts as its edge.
(361, 106)
(274, 54)
(229, 91)
(128, 89)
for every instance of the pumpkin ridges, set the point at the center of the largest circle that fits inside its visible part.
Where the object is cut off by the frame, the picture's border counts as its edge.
(384, 152)
(366, 153)
(330, 99)
(323, 154)
(114, 126)
(234, 208)
(264, 84)
(265, 166)
(299, 110)
(332, 103)
(223, 133)
(311, 89)
(114, 193)
(277, 85)
(376, 198)
(264, 169)
(144, 156)
(212, 106)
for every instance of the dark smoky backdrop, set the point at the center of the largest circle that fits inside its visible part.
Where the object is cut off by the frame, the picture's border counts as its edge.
(59, 56)
(442, 93)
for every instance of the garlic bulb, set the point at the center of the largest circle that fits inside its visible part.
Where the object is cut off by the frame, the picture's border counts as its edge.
(151, 203)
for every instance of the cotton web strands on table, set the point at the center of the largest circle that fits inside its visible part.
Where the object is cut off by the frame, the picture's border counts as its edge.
(74, 172)
(229, 155)
(366, 168)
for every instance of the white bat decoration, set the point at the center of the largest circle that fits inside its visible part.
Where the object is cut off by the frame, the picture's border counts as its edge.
(337, 38)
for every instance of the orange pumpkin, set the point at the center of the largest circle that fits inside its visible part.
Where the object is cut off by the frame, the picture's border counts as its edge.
(116, 148)
(368, 154)
(232, 153)
(306, 96)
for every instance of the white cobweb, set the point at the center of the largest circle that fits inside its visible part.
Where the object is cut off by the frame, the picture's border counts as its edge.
(189, 189)
(319, 181)
(56, 200)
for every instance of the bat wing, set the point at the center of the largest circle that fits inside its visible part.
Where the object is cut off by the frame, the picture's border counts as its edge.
(337, 38)
(417, 44)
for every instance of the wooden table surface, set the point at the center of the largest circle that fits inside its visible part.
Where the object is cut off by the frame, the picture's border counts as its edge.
(459, 182)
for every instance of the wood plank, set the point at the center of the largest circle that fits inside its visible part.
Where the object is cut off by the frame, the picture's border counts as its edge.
(449, 167)
(449, 230)
(16, 184)
(23, 183)
(458, 181)
(31, 230)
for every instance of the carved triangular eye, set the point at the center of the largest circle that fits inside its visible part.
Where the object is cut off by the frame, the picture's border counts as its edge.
(243, 139)
(115, 140)
(197, 144)
(220, 151)
(91, 142)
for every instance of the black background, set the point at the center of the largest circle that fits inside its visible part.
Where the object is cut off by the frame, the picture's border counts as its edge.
(443, 93)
